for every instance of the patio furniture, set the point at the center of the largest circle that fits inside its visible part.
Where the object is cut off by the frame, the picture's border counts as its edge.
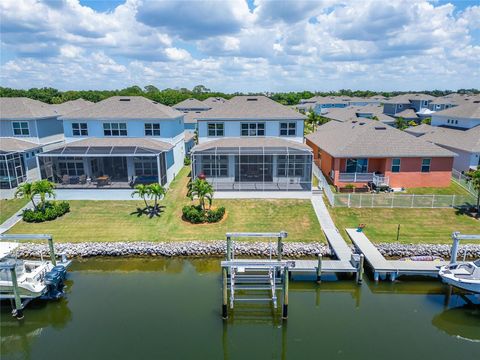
(82, 179)
(74, 180)
(65, 180)
(103, 180)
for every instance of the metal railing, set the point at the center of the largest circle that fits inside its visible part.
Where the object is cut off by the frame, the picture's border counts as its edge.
(363, 177)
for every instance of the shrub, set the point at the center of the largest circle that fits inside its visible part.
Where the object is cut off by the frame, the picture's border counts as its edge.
(187, 161)
(52, 211)
(196, 215)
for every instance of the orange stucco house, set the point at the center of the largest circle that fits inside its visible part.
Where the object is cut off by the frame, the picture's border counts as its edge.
(363, 151)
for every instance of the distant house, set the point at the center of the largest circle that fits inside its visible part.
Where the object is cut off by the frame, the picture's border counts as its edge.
(27, 127)
(192, 108)
(464, 116)
(115, 143)
(361, 151)
(359, 112)
(407, 106)
(451, 100)
(252, 143)
(464, 143)
(322, 104)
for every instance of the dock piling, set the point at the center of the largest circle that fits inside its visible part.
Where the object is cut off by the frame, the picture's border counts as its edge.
(225, 294)
(52, 251)
(319, 269)
(279, 249)
(360, 269)
(18, 311)
(285, 293)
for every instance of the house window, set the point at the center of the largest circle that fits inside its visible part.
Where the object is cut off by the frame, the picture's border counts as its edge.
(115, 129)
(425, 103)
(146, 166)
(395, 165)
(215, 166)
(71, 166)
(426, 165)
(292, 165)
(79, 129)
(20, 128)
(152, 129)
(288, 129)
(215, 129)
(437, 106)
(400, 106)
(357, 165)
(253, 129)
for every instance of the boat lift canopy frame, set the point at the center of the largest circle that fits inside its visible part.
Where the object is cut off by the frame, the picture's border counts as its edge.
(457, 237)
(49, 238)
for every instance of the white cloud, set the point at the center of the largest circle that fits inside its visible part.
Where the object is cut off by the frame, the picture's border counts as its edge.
(288, 45)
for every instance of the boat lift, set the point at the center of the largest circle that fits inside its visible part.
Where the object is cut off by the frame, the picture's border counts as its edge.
(19, 304)
(457, 237)
(254, 276)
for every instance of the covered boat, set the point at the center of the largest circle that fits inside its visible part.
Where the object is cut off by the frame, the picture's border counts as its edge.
(465, 276)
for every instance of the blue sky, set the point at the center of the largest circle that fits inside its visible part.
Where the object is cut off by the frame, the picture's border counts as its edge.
(238, 45)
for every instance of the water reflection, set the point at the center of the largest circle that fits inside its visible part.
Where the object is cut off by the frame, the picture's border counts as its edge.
(462, 321)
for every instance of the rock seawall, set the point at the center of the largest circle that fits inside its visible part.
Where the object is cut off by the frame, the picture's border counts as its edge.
(218, 248)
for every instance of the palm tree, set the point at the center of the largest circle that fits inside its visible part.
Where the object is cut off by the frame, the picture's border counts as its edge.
(203, 190)
(142, 191)
(473, 176)
(25, 191)
(156, 191)
(43, 188)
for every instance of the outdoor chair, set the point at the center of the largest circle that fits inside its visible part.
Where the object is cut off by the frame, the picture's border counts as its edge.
(65, 180)
(82, 179)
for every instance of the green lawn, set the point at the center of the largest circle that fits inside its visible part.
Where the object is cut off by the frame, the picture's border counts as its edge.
(114, 221)
(453, 189)
(10, 207)
(433, 226)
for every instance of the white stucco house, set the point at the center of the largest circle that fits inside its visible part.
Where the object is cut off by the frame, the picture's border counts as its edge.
(117, 143)
(252, 143)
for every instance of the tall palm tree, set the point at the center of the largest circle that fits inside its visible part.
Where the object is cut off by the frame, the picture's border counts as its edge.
(203, 190)
(25, 191)
(156, 191)
(143, 192)
(43, 188)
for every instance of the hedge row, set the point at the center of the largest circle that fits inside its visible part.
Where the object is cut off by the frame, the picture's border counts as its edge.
(196, 215)
(52, 210)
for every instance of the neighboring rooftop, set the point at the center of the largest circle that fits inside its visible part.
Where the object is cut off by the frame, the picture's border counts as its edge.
(368, 138)
(72, 105)
(214, 101)
(406, 98)
(125, 107)
(466, 140)
(407, 113)
(191, 104)
(12, 108)
(8, 144)
(252, 107)
(353, 112)
(466, 110)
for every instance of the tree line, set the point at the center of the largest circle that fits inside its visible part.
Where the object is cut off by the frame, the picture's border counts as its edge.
(173, 96)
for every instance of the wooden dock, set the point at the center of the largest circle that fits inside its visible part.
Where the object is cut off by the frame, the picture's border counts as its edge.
(391, 268)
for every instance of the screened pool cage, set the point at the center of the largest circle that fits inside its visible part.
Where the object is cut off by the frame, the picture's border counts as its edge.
(111, 167)
(254, 168)
(12, 170)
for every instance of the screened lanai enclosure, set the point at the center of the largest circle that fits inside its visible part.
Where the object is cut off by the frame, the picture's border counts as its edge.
(103, 166)
(281, 168)
(12, 169)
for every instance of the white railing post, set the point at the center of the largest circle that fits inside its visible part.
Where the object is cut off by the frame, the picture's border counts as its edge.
(433, 200)
(361, 196)
(453, 200)
(392, 202)
(348, 200)
(413, 199)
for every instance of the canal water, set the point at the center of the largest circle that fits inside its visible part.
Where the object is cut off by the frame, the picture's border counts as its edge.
(170, 309)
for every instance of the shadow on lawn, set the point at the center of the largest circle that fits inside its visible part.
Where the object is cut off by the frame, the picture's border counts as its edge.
(467, 209)
(149, 211)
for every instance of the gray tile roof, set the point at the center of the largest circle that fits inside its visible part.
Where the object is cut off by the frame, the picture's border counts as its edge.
(466, 110)
(72, 105)
(350, 113)
(190, 117)
(406, 98)
(191, 104)
(214, 101)
(466, 140)
(371, 139)
(24, 108)
(407, 113)
(16, 145)
(252, 107)
(189, 135)
(251, 142)
(125, 107)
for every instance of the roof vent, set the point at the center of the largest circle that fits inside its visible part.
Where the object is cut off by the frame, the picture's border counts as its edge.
(155, 102)
(362, 123)
(252, 99)
(380, 128)
(197, 112)
(354, 121)
(124, 99)
(476, 101)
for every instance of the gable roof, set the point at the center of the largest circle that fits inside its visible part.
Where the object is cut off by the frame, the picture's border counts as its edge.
(72, 105)
(125, 107)
(466, 140)
(12, 108)
(191, 104)
(351, 113)
(368, 138)
(8, 144)
(251, 107)
(466, 110)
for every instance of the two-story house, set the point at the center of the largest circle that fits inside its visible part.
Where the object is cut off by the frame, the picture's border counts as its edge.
(464, 116)
(252, 143)
(27, 127)
(192, 108)
(408, 106)
(118, 142)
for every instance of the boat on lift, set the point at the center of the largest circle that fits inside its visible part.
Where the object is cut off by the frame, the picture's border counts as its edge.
(465, 276)
(24, 280)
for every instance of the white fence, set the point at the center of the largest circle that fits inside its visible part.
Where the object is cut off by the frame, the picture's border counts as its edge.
(461, 179)
(390, 200)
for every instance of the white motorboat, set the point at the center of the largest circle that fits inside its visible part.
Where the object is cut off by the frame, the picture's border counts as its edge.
(35, 278)
(464, 276)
